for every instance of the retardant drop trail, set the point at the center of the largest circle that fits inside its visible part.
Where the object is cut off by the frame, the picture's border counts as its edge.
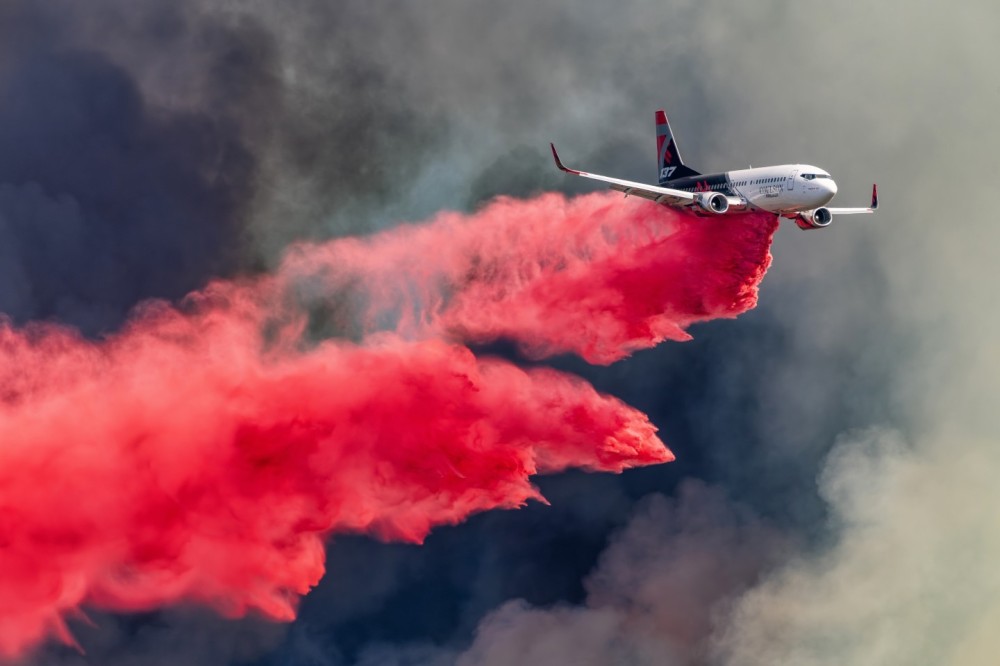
(205, 452)
(592, 275)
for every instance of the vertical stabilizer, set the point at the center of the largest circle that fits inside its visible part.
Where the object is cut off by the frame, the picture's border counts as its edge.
(671, 166)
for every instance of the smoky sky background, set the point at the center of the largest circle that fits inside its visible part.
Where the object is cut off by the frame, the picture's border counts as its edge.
(833, 500)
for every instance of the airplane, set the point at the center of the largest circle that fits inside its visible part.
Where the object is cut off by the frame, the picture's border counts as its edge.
(799, 192)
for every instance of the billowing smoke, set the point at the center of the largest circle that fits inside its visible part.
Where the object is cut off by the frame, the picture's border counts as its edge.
(105, 198)
(220, 445)
(656, 595)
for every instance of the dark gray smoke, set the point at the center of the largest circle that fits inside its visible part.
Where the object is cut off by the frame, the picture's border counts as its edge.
(105, 198)
(141, 141)
(190, 636)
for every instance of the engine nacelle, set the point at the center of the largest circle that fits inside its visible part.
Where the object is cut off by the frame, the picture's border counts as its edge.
(712, 202)
(814, 219)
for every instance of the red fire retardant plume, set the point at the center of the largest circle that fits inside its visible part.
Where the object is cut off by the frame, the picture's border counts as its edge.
(591, 275)
(203, 453)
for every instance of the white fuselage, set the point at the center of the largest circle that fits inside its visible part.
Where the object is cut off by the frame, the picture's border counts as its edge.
(787, 188)
(782, 189)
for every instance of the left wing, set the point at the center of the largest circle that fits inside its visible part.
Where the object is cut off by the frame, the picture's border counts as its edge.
(662, 195)
(859, 211)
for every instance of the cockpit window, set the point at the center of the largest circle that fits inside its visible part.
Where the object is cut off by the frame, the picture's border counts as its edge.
(810, 176)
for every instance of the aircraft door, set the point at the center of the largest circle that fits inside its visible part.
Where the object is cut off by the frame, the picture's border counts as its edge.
(791, 180)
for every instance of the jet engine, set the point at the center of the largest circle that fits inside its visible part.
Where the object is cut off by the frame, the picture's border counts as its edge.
(814, 219)
(712, 202)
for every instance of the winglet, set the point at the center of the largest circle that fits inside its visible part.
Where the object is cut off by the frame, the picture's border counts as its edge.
(874, 196)
(559, 163)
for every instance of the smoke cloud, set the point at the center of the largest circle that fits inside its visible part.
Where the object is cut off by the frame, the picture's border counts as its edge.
(106, 199)
(656, 595)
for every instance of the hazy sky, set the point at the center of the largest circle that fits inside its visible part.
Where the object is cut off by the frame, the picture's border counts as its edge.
(833, 501)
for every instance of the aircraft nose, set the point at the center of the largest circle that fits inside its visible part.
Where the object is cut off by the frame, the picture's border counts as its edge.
(831, 186)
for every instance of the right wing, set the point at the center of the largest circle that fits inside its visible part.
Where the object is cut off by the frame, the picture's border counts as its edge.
(661, 195)
(859, 211)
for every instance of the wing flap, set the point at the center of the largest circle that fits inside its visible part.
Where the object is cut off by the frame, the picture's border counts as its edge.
(651, 194)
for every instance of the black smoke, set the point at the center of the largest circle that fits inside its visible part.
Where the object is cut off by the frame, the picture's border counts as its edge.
(140, 141)
(107, 200)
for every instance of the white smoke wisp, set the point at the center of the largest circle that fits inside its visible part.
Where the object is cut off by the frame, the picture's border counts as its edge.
(913, 576)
